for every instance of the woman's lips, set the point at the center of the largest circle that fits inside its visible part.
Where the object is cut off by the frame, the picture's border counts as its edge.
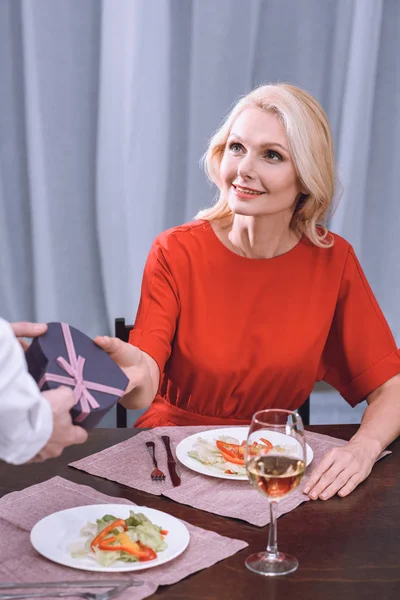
(245, 193)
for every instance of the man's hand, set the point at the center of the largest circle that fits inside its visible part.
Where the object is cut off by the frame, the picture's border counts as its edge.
(64, 432)
(27, 330)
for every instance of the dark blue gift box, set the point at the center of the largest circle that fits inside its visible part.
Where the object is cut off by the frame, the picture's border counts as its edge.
(66, 356)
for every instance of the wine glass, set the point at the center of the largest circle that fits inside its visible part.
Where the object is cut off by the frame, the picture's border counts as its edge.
(275, 458)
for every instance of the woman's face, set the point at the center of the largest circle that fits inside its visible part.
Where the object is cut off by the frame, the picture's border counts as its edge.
(257, 173)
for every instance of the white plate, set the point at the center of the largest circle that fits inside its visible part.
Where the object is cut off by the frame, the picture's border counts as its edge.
(52, 536)
(239, 433)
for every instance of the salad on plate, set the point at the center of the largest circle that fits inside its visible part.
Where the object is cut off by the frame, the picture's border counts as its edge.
(226, 453)
(129, 540)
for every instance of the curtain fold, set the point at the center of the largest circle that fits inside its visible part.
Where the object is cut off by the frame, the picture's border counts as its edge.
(354, 138)
(133, 147)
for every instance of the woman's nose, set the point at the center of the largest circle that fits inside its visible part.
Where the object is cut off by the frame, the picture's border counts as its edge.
(246, 167)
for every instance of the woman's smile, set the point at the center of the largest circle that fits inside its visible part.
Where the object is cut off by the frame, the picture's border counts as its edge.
(245, 192)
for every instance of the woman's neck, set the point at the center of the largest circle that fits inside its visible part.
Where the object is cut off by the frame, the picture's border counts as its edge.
(260, 237)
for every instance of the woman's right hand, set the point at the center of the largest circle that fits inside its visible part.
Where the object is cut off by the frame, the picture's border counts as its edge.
(141, 370)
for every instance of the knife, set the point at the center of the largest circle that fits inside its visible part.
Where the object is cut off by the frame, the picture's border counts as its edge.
(116, 591)
(69, 584)
(176, 480)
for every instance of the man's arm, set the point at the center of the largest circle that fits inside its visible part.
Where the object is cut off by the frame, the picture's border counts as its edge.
(30, 423)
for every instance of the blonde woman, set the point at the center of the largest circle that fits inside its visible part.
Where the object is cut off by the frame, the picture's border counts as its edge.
(250, 304)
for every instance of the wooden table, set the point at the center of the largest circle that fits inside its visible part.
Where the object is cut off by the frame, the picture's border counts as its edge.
(348, 548)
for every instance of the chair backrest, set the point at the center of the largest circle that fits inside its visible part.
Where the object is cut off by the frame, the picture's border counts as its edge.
(122, 332)
(304, 411)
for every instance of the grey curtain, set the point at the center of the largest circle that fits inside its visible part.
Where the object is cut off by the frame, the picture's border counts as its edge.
(106, 108)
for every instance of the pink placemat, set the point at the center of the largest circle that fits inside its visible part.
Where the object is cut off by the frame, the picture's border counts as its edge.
(130, 464)
(19, 562)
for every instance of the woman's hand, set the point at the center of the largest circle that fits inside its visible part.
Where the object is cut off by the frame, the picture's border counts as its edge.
(141, 370)
(128, 357)
(342, 469)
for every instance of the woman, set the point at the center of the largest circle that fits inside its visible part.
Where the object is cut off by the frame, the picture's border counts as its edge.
(248, 306)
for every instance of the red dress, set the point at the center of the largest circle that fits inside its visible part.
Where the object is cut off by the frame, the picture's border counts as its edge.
(233, 335)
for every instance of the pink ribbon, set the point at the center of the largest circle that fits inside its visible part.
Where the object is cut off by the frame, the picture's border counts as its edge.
(75, 369)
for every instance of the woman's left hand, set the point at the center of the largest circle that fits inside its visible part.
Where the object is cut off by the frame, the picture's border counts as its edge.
(342, 469)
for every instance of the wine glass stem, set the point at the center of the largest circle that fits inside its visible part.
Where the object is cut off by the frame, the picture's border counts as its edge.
(272, 547)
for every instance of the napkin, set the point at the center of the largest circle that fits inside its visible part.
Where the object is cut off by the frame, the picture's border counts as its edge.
(130, 464)
(19, 562)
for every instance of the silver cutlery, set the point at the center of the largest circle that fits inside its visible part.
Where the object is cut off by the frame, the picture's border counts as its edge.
(176, 480)
(156, 474)
(95, 583)
(113, 593)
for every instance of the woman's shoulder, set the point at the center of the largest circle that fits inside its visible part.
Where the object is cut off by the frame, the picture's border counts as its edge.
(339, 247)
(331, 259)
(182, 236)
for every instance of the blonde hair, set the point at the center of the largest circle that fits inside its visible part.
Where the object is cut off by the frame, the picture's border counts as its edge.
(311, 148)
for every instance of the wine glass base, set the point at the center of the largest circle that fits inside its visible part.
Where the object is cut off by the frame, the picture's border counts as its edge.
(271, 565)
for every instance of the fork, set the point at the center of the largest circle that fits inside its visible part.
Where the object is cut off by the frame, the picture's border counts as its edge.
(156, 475)
(113, 593)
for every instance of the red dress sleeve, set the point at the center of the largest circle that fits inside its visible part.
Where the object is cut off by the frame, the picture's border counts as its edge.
(158, 310)
(360, 353)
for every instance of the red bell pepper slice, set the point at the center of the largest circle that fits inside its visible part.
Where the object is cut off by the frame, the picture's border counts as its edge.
(267, 443)
(143, 553)
(118, 523)
(231, 452)
(232, 459)
(234, 453)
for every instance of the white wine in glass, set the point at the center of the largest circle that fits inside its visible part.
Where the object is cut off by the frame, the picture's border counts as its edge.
(275, 468)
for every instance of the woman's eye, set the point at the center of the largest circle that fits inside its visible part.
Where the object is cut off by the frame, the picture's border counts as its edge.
(271, 154)
(235, 147)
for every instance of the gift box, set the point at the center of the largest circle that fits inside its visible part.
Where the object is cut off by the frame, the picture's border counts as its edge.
(66, 356)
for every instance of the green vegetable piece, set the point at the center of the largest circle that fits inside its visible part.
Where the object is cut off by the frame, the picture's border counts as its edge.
(109, 518)
(136, 519)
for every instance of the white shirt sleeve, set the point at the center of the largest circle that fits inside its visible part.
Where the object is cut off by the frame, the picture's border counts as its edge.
(26, 420)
